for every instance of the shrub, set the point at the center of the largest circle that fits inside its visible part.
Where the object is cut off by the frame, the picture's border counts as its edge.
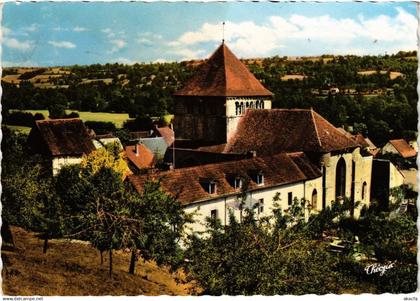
(19, 118)
(101, 127)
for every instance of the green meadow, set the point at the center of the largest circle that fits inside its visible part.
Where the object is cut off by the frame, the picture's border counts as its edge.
(117, 118)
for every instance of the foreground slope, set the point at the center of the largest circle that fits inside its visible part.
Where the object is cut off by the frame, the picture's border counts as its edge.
(73, 268)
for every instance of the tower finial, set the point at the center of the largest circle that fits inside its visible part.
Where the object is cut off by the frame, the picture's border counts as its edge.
(223, 32)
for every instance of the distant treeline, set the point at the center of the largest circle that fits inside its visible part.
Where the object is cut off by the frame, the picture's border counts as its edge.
(379, 106)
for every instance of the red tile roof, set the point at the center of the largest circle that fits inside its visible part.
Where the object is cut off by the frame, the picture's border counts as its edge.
(145, 158)
(185, 182)
(305, 165)
(286, 130)
(64, 137)
(166, 133)
(361, 140)
(223, 74)
(370, 143)
(405, 150)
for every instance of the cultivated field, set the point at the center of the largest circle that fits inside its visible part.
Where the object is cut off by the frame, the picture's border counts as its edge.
(392, 74)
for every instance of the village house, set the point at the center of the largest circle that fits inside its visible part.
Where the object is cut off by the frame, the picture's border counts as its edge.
(63, 141)
(399, 147)
(139, 157)
(385, 176)
(100, 141)
(223, 111)
(215, 190)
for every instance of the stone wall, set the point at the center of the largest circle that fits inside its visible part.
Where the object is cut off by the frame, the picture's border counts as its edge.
(362, 174)
(200, 119)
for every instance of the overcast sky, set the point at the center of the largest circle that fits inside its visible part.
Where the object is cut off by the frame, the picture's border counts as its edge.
(51, 34)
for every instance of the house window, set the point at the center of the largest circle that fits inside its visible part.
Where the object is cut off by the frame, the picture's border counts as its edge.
(260, 206)
(237, 183)
(314, 199)
(208, 185)
(213, 214)
(238, 108)
(340, 179)
(364, 188)
(259, 179)
(257, 176)
(290, 198)
(211, 188)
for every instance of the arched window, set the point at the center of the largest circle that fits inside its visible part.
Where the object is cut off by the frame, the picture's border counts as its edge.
(251, 105)
(247, 105)
(237, 108)
(262, 104)
(257, 104)
(340, 179)
(364, 188)
(314, 199)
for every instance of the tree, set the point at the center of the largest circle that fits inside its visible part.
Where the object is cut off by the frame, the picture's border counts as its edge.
(163, 221)
(28, 196)
(282, 254)
(57, 111)
(96, 207)
(109, 156)
(103, 209)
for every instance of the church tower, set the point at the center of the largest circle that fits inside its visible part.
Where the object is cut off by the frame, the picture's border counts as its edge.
(209, 106)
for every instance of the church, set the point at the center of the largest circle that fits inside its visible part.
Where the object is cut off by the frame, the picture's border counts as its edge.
(233, 151)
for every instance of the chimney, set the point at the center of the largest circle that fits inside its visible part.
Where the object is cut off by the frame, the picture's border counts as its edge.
(252, 154)
(137, 149)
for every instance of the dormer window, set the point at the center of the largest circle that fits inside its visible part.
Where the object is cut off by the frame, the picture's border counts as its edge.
(234, 180)
(211, 188)
(259, 179)
(257, 176)
(209, 185)
(237, 183)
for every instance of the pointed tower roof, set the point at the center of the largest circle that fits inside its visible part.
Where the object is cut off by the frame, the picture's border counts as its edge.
(223, 74)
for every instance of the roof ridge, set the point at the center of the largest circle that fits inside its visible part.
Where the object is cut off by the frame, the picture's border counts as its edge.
(224, 66)
(297, 166)
(335, 128)
(316, 128)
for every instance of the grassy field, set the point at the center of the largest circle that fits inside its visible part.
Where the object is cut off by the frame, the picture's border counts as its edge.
(117, 118)
(73, 268)
(23, 129)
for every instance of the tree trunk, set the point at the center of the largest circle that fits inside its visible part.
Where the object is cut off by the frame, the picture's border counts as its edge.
(102, 257)
(45, 244)
(110, 262)
(133, 260)
(6, 233)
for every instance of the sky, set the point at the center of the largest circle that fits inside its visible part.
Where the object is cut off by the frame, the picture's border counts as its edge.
(60, 34)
